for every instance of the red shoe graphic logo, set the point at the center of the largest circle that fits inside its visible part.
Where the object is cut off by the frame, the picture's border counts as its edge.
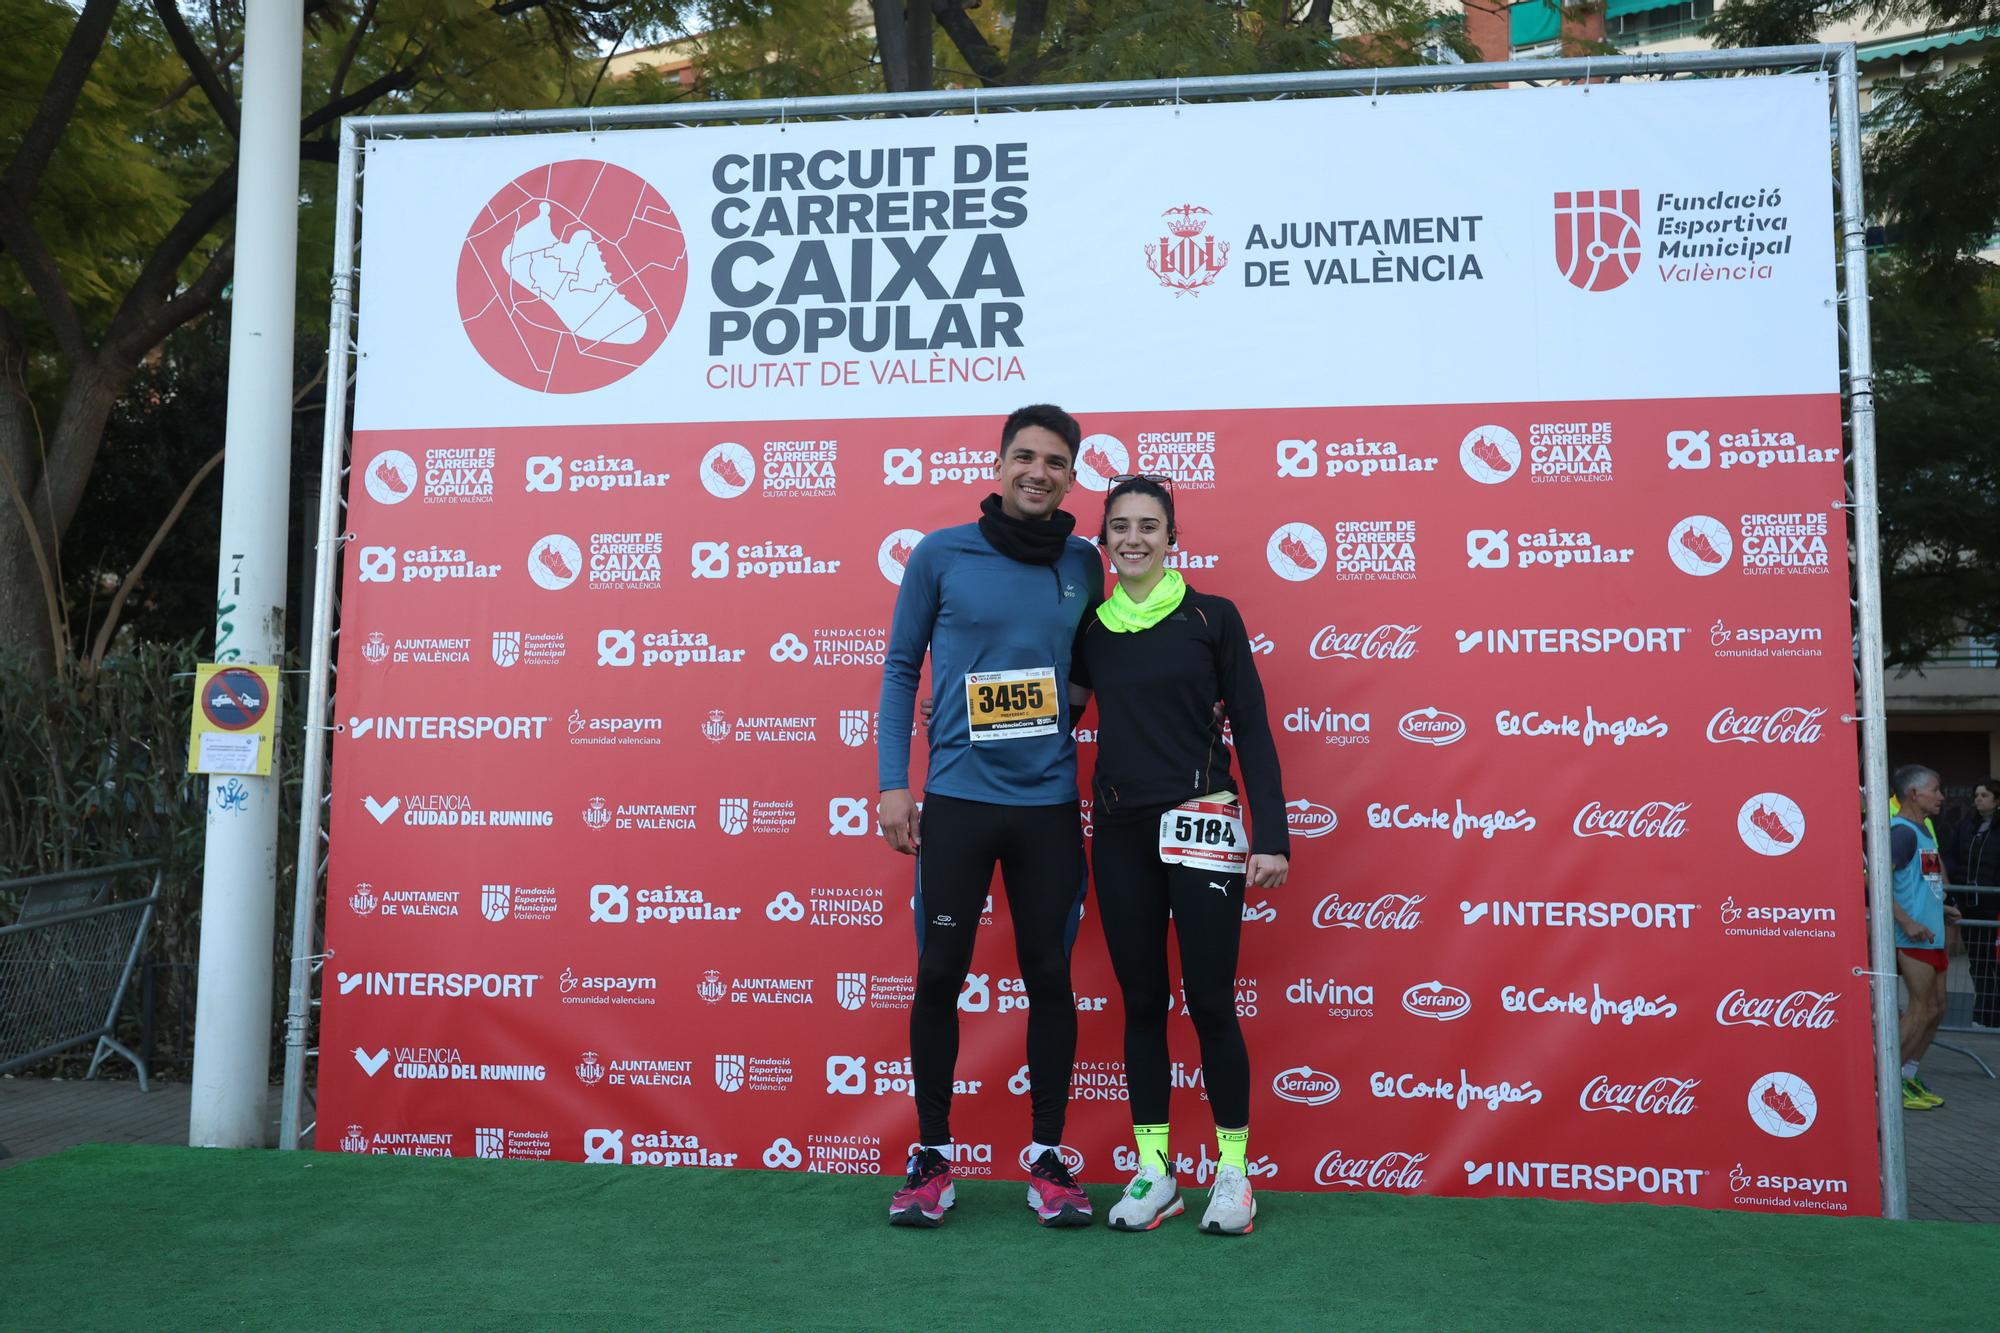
(389, 477)
(1781, 1103)
(900, 552)
(1488, 453)
(553, 562)
(1099, 462)
(1766, 819)
(725, 468)
(1295, 551)
(1697, 544)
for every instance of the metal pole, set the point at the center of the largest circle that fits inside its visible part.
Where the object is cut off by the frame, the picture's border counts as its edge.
(1868, 584)
(333, 452)
(239, 876)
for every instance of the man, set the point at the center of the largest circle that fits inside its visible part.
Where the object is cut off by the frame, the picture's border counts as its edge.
(996, 604)
(1921, 914)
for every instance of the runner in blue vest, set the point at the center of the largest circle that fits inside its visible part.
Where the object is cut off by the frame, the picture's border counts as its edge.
(996, 606)
(1921, 914)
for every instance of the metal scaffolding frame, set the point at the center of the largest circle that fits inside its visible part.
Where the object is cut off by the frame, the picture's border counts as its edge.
(1857, 391)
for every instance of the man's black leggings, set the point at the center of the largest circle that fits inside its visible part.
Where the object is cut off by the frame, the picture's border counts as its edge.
(1135, 890)
(1039, 849)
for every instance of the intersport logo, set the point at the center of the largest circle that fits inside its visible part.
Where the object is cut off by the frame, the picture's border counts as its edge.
(1306, 1086)
(1384, 643)
(1391, 911)
(1799, 1010)
(1660, 820)
(1782, 726)
(1656, 1096)
(1390, 1171)
(1437, 1001)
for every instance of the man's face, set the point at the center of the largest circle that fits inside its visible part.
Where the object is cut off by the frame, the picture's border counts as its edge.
(1035, 473)
(1927, 797)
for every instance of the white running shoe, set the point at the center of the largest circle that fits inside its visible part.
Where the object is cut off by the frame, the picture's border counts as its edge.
(1230, 1205)
(1149, 1200)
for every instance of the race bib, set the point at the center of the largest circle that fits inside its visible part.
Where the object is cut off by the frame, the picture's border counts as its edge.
(1011, 705)
(1207, 835)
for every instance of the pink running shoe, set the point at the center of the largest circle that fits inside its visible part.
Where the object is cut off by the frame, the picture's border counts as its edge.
(1054, 1194)
(926, 1194)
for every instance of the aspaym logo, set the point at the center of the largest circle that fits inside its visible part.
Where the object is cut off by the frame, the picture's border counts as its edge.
(571, 277)
(1597, 237)
(1296, 551)
(1490, 454)
(1771, 824)
(1100, 458)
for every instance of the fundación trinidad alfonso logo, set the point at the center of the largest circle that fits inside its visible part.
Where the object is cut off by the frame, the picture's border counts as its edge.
(1185, 260)
(1597, 237)
(571, 276)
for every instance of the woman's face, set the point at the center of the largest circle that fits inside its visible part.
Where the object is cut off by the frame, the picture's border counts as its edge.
(1135, 533)
(1982, 801)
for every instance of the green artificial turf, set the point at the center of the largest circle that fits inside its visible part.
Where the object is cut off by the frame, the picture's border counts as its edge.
(131, 1237)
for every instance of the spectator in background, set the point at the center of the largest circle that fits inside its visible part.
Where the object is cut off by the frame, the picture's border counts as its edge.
(1918, 899)
(1972, 860)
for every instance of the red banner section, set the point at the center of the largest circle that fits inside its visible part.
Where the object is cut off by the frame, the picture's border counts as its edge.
(1561, 692)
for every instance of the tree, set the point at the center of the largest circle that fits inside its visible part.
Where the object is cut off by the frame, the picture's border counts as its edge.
(116, 204)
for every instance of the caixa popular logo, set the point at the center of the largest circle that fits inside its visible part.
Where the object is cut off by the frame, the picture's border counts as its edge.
(1598, 247)
(1389, 1171)
(1807, 1010)
(1435, 1000)
(1306, 1086)
(571, 276)
(1186, 259)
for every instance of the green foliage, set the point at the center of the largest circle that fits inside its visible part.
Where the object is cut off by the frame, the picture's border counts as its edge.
(93, 771)
(1934, 167)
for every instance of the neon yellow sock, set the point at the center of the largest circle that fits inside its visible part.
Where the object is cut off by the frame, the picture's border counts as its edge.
(1232, 1148)
(1152, 1141)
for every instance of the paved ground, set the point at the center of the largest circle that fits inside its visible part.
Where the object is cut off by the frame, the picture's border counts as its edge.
(1954, 1169)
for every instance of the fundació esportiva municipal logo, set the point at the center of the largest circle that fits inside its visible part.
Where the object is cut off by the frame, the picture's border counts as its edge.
(571, 277)
(1186, 259)
(1597, 237)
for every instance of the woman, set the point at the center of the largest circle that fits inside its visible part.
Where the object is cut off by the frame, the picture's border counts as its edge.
(1169, 836)
(1972, 861)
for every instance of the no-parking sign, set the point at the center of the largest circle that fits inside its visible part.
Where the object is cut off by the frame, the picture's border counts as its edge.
(235, 719)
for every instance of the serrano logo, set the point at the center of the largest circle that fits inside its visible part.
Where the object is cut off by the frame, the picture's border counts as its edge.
(1597, 237)
(1306, 1086)
(1434, 999)
(1431, 726)
(1185, 260)
(1771, 824)
(1309, 819)
(571, 277)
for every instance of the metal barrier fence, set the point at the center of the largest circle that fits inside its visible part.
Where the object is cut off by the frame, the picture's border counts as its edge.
(65, 963)
(1972, 981)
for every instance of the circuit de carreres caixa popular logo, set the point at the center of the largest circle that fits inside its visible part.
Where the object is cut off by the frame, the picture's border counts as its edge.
(572, 276)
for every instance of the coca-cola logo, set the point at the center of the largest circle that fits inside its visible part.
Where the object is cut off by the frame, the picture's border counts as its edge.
(1783, 726)
(1811, 1010)
(1306, 1086)
(1384, 643)
(1434, 999)
(1431, 726)
(1392, 911)
(1390, 1171)
(1659, 1096)
(1310, 819)
(1654, 819)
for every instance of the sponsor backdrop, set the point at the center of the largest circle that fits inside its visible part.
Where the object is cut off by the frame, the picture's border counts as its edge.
(1525, 469)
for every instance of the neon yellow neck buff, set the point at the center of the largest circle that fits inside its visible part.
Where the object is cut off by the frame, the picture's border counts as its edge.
(1122, 615)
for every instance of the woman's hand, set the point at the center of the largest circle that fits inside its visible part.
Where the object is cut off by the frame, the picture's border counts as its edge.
(1267, 872)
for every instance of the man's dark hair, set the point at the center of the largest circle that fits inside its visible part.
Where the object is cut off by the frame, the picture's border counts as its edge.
(1049, 417)
(1139, 486)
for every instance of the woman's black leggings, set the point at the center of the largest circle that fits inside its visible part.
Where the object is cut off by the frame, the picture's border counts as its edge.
(1135, 890)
